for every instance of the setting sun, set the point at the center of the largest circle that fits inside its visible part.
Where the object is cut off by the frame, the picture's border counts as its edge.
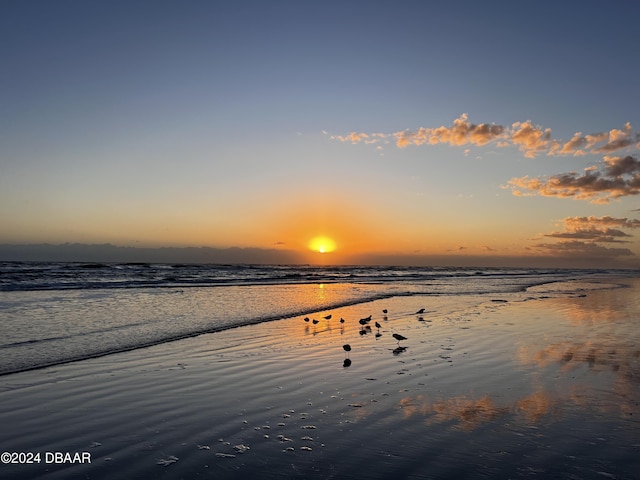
(322, 245)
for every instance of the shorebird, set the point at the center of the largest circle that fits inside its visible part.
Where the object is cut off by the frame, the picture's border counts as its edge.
(378, 326)
(341, 320)
(328, 317)
(384, 311)
(420, 311)
(306, 319)
(399, 337)
(315, 322)
(347, 361)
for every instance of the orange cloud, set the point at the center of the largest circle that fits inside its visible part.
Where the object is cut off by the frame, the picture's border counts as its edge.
(577, 248)
(461, 133)
(619, 139)
(531, 139)
(608, 235)
(615, 177)
(574, 146)
(595, 229)
(582, 236)
(352, 137)
(577, 223)
(618, 177)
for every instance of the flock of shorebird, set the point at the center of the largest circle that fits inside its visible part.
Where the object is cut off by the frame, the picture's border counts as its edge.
(365, 328)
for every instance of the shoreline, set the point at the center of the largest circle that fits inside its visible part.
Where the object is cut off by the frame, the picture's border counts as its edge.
(489, 387)
(25, 353)
(142, 346)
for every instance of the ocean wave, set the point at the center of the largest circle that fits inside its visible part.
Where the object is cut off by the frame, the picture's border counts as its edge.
(33, 276)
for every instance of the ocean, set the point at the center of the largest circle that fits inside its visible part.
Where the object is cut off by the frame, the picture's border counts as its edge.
(53, 313)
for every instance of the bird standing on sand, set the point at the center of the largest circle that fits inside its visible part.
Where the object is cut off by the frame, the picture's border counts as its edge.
(341, 320)
(347, 348)
(420, 311)
(306, 319)
(378, 326)
(315, 322)
(399, 337)
(328, 317)
(384, 311)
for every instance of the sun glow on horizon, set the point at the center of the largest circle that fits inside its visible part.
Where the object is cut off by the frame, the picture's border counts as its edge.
(322, 244)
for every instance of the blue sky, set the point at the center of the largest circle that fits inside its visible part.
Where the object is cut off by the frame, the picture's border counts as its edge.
(227, 124)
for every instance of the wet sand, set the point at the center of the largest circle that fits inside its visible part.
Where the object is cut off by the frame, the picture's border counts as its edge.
(498, 386)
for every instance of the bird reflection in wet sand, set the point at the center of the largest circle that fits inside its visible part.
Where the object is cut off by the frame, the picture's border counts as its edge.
(398, 350)
(378, 326)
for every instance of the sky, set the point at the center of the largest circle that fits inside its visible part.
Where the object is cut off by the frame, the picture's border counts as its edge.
(401, 131)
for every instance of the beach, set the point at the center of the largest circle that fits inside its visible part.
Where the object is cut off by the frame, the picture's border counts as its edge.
(535, 384)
